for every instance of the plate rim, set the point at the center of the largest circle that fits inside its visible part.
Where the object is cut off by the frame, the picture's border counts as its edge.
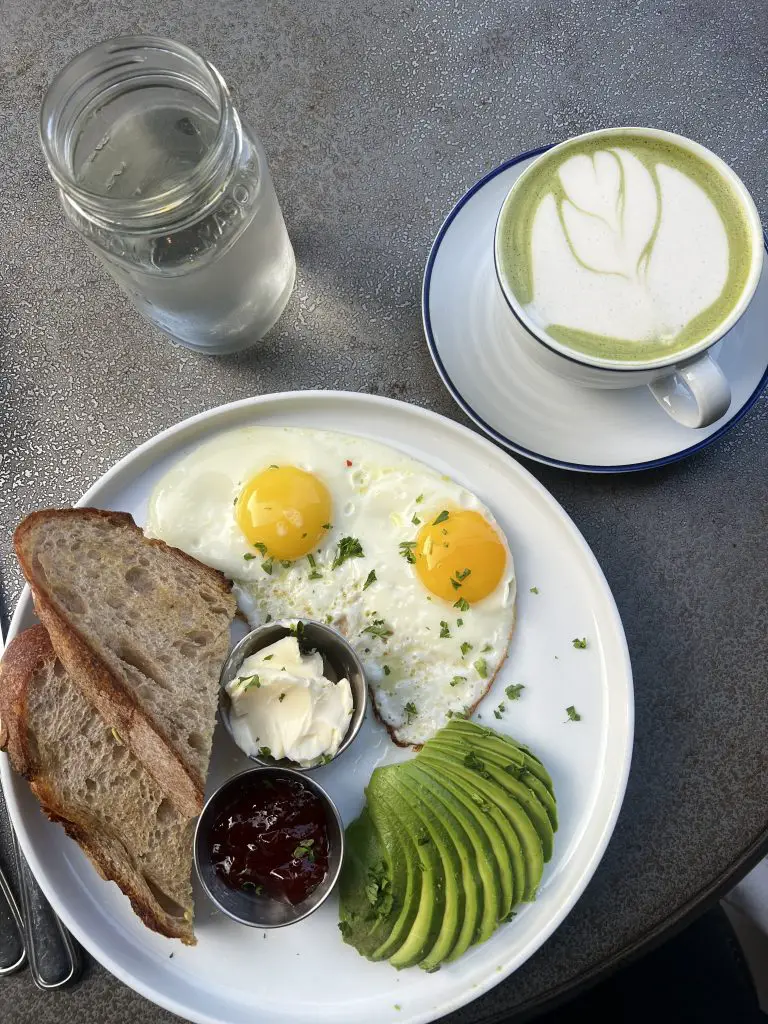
(492, 432)
(626, 715)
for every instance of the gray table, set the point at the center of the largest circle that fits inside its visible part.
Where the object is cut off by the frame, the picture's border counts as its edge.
(376, 117)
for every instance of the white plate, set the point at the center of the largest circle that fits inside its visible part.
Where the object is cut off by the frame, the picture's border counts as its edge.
(305, 973)
(471, 336)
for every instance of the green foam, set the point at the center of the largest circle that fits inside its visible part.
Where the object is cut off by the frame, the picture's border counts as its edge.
(516, 228)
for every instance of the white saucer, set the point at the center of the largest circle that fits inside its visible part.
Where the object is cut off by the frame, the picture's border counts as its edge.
(472, 340)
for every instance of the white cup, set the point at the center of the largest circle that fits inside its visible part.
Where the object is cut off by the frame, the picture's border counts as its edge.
(689, 386)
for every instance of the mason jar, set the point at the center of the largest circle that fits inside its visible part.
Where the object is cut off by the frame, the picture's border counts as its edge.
(157, 172)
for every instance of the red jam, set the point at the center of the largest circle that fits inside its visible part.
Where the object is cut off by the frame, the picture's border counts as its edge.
(272, 838)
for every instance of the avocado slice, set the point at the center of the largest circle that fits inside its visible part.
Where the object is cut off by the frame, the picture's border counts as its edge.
(514, 860)
(475, 785)
(450, 893)
(496, 753)
(412, 936)
(363, 849)
(518, 790)
(470, 885)
(375, 890)
(471, 730)
(487, 849)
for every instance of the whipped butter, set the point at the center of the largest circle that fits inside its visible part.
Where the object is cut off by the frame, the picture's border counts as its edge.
(283, 706)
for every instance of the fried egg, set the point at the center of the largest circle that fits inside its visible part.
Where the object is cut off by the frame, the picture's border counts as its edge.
(411, 567)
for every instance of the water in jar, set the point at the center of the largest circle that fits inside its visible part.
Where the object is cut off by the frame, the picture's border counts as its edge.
(217, 280)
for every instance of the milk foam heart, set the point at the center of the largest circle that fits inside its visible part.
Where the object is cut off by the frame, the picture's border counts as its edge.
(625, 246)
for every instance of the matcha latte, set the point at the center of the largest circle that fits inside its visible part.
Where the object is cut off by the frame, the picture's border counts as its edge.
(625, 245)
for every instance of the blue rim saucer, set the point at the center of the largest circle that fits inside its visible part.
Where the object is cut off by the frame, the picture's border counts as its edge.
(482, 212)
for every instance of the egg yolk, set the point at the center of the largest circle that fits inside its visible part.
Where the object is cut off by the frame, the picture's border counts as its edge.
(286, 509)
(460, 555)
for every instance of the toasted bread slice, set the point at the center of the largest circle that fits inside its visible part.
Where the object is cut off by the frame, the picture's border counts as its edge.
(93, 786)
(142, 629)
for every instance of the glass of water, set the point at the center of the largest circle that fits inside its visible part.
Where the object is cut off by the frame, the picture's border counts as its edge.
(171, 191)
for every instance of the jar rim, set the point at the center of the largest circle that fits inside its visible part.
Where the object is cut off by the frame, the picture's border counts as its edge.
(108, 55)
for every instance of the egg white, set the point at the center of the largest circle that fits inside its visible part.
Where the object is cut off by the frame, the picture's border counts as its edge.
(375, 500)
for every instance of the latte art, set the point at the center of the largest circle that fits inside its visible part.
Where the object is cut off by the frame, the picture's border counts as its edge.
(624, 246)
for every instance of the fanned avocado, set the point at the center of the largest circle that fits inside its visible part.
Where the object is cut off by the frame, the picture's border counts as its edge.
(397, 928)
(498, 754)
(504, 781)
(426, 865)
(473, 731)
(488, 814)
(473, 783)
(456, 847)
(374, 889)
(448, 843)
(484, 846)
(434, 841)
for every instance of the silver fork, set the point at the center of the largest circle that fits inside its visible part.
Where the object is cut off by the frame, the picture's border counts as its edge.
(33, 933)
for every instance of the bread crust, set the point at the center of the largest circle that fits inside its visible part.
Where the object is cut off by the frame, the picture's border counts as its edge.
(29, 653)
(109, 696)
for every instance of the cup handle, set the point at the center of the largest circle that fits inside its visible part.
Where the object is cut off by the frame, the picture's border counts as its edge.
(696, 394)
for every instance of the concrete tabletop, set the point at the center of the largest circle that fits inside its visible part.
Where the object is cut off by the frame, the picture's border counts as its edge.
(376, 118)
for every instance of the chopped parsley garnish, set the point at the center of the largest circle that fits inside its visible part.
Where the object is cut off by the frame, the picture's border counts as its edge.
(378, 891)
(534, 590)
(304, 849)
(326, 526)
(441, 518)
(508, 918)
(249, 557)
(457, 680)
(281, 698)
(499, 711)
(267, 565)
(463, 574)
(315, 574)
(286, 563)
(482, 668)
(580, 644)
(420, 499)
(415, 520)
(265, 752)
(262, 548)
(378, 628)
(462, 605)
(465, 648)
(311, 560)
(459, 622)
(268, 657)
(249, 682)
(327, 758)
(406, 550)
(273, 466)
(444, 630)
(455, 583)
(349, 547)
(513, 692)
(486, 648)
(573, 714)
(370, 578)
(387, 669)
(473, 762)
(411, 711)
